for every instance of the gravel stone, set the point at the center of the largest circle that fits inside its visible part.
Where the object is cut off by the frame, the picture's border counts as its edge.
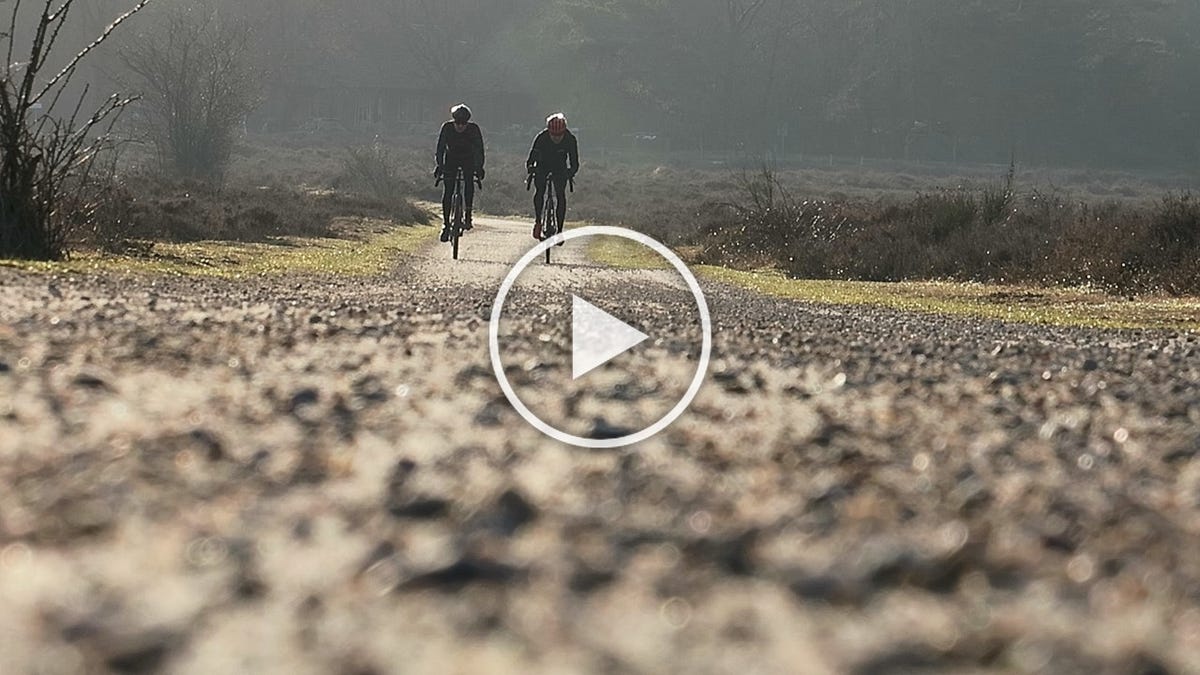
(854, 489)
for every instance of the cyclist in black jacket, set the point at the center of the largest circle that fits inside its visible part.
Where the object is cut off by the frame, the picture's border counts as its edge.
(555, 151)
(460, 145)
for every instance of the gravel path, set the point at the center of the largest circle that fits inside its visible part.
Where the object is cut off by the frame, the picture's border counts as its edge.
(315, 476)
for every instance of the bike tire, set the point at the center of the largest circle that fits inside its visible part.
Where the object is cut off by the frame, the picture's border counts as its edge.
(550, 213)
(456, 226)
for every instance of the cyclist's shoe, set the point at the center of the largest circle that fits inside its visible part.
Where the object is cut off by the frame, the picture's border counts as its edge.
(537, 230)
(445, 234)
(468, 225)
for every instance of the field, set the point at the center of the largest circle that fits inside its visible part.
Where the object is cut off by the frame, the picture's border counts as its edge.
(1114, 232)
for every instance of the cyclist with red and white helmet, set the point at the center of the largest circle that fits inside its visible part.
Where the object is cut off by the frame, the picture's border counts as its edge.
(459, 146)
(555, 152)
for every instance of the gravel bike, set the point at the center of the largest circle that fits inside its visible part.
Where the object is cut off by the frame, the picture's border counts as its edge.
(457, 211)
(550, 226)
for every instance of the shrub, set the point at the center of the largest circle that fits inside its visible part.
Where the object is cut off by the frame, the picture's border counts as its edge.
(48, 161)
(987, 235)
(166, 209)
(373, 171)
(198, 87)
(996, 200)
(1176, 224)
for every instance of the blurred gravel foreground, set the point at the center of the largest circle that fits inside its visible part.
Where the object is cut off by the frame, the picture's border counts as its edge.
(299, 475)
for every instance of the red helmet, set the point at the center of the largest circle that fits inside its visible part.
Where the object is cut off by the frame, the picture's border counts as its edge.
(557, 124)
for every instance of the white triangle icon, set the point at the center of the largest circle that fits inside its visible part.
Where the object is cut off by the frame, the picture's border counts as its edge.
(598, 337)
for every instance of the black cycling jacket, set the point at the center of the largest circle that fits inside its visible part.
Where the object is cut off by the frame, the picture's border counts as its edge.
(561, 158)
(459, 149)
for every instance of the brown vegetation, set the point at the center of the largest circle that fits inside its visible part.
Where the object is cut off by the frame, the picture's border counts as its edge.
(148, 208)
(865, 225)
(993, 234)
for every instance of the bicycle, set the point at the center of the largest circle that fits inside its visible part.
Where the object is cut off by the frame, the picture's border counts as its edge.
(551, 226)
(457, 212)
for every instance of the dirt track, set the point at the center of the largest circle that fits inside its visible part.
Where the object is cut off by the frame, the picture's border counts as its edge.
(296, 476)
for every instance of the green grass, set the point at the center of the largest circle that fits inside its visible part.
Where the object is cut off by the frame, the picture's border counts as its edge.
(1026, 304)
(623, 254)
(366, 249)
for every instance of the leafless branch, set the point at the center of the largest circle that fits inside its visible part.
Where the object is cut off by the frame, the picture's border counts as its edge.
(47, 161)
(67, 71)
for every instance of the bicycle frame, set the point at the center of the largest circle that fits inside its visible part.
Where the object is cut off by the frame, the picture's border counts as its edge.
(551, 226)
(457, 209)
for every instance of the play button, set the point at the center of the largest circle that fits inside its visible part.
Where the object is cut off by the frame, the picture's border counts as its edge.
(598, 337)
(619, 387)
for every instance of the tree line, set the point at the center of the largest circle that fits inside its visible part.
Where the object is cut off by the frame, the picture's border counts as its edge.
(1100, 82)
(1108, 82)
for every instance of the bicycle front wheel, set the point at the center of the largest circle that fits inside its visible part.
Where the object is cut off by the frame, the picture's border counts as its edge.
(456, 227)
(550, 211)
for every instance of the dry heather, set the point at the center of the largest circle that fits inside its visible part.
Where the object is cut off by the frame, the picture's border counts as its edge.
(1113, 232)
(971, 235)
(142, 208)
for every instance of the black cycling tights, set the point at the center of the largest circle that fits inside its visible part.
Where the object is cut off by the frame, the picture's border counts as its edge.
(448, 194)
(560, 191)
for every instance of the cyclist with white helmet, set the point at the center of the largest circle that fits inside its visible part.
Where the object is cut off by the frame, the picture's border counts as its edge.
(555, 151)
(459, 146)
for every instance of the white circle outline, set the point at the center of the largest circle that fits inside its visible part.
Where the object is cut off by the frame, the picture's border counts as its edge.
(600, 443)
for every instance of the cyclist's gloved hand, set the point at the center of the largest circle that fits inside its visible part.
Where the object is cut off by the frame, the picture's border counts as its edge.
(571, 174)
(439, 172)
(479, 173)
(529, 168)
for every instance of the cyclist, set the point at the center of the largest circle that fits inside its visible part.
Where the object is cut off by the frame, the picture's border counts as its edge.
(459, 146)
(555, 151)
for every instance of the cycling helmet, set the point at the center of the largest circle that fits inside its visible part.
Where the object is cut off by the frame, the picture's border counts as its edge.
(557, 124)
(461, 113)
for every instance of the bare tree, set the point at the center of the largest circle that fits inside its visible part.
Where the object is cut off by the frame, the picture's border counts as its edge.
(740, 16)
(441, 37)
(48, 160)
(198, 85)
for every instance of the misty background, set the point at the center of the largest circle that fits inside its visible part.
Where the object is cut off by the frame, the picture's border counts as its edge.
(1049, 142)
(1102, 83)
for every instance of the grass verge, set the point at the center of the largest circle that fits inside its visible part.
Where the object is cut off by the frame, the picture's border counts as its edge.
(625, 254)
(1025, 304)
(364, 248)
